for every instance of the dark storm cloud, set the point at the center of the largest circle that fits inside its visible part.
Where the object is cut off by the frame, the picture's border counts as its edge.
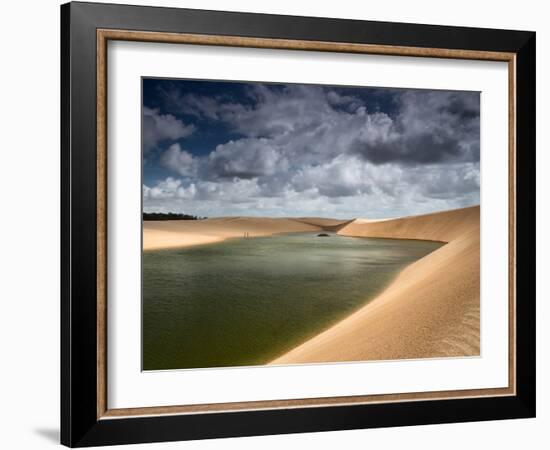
(245, 158)
(159, 127)
(431, 127)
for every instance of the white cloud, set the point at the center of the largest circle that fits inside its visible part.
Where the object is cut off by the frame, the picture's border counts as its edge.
(311, 150)
(170, 188)
(179, 161)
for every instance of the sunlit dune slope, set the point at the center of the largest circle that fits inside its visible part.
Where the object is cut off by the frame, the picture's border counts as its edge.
(183, 233)
(431, 309)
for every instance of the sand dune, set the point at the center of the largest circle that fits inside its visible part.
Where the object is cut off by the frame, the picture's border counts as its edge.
(324, 223)
(183, 233)
(431, 309)
(443, 226)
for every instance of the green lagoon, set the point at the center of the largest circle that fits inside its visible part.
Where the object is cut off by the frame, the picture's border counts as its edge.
(247, 301)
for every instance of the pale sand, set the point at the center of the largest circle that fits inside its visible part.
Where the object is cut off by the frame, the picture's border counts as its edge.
(325, 223)
(431, 309)
(183, 233)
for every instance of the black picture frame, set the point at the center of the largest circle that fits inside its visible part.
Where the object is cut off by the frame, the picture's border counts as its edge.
(80, 425)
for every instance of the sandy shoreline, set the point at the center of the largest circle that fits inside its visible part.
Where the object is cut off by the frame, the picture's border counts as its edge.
(431, 309)
(184, 233)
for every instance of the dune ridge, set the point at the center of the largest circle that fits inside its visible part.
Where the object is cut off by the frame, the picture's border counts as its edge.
(325, 224)
(431, 309)
(164, 234)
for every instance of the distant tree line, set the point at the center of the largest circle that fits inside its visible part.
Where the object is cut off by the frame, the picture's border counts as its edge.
(170, 216)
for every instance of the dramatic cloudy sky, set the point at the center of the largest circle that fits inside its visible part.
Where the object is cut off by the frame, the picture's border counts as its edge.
(220, 148)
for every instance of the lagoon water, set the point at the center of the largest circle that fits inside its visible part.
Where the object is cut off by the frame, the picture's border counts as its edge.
(247, 301)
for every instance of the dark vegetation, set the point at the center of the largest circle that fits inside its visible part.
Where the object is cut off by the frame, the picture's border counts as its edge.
(170, 216)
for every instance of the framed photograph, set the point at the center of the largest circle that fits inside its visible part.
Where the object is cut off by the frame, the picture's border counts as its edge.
(276, 224)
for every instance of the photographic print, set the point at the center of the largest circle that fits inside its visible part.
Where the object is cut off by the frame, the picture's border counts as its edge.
(297, 223)
(280, 233)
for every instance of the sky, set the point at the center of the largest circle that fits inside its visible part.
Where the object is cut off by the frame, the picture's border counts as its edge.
(218, 148)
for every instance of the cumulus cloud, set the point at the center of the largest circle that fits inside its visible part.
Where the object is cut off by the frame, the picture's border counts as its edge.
(321, 150)
(432, 126)
(180, 161)
(197, 105)
(350, 102)
(342, 177)
(170, 188)
(300, 122)
(247, 158)
(447, 182)
(159, 127)
(281, 111)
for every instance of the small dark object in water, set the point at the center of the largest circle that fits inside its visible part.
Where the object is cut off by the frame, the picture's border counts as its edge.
(323, 235)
